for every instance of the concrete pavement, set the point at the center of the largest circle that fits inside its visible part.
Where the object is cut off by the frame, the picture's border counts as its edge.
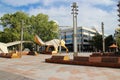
(10, 76)
(34, 68)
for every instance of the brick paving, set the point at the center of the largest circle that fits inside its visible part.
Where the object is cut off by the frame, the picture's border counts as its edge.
(35, 68)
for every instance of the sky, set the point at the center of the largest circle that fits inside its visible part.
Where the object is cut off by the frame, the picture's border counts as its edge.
(91, 12)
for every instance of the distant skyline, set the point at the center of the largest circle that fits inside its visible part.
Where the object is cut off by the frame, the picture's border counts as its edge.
(91, 12)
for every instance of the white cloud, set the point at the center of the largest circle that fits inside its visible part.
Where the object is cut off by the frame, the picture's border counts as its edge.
(48, 2)
(1, 14)
(61, 14)
(86, 2)
(19, 2)
(1, 28)
(88, 16)
(100, 2)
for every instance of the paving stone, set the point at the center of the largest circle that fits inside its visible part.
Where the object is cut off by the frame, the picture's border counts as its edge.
(35, 68)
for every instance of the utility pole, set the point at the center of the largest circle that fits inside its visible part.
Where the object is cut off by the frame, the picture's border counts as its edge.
(74, 12)
(21, 44)
(60, 40)
(103, 39)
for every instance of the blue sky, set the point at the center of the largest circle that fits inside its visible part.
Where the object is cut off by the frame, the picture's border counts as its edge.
(91, 12)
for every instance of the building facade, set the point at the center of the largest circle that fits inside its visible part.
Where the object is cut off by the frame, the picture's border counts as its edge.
(84, 35)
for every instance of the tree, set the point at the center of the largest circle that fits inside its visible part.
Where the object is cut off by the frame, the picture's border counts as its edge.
(39, 24)
(97, 42)
(43, 27)
(109, 40)
(12, 25)
(117, 37)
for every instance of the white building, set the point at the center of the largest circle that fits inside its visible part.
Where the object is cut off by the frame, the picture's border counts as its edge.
(84, 35)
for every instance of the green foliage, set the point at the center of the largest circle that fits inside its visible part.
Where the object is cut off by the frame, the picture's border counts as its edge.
(39, 24)
(97, 42)
(43, 27)
(109, 40)
(12, 26)
(117, 37)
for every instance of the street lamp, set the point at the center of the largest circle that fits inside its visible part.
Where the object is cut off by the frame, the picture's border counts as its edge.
(21, 39)
(79, 42)
(103, 38)
(60, 40)
(74, 12)
(21, 43)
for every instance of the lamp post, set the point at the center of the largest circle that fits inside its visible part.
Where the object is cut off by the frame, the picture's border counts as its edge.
(74, 12)
(60, 40)
(79, 43)
(21, 39)
(103, 39)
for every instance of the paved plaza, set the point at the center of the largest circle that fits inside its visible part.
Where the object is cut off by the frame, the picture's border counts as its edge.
(35, 68)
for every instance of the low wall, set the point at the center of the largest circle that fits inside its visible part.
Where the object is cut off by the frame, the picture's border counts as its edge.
(98, 61)
(105, 54)
(80, 58)
(95, 59)
(57, 57)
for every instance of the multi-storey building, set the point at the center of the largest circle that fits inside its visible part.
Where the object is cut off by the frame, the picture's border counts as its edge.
(84, 35)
